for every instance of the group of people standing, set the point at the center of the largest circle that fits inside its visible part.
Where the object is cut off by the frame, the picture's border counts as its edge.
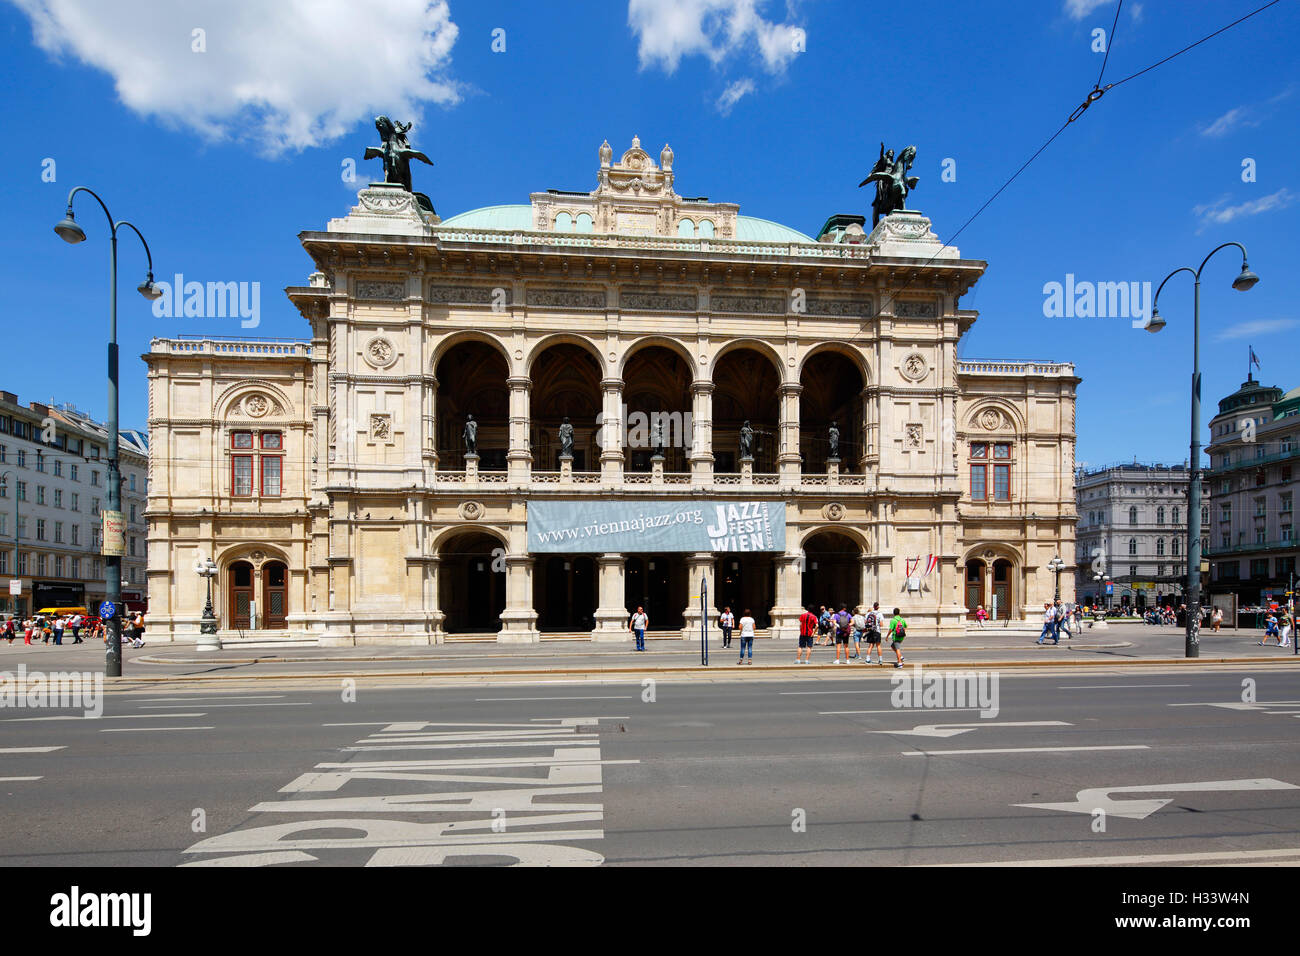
(51, 628)
(823, 626)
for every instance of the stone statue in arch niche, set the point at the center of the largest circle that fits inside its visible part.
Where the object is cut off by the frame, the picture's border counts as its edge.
(746, 440)
(471, 435)
(566, 439)
(833, 434)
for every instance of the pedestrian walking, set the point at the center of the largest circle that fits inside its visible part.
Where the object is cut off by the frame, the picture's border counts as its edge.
(1049, 621)
(59, 623)
(897, 631)
(1270, 629)
(75, 623)
(981, 616)
(807, 633)
(859, 626)
(1216, 619)
(873, 623)
(1058, 609)
(747, 637)
(1284, 627)
(27, 631)
(637, 625)
(726, 623)
(843, 623)
(137, 630)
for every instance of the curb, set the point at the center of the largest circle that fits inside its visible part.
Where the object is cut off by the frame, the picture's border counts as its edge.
(697, 670)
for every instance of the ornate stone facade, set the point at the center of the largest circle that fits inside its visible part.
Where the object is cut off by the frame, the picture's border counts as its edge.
(391, 532)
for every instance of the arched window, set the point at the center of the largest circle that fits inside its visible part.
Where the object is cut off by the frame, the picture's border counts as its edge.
(1177, 546)
(564, 222)
(1175, 516)
(1160, 515)
(686, 229)
(1133, 515)
(1132, 545)
(583, 222)
(706, 228)
(1160, 547)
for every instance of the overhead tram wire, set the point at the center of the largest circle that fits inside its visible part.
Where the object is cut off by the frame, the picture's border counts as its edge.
(1095, 94)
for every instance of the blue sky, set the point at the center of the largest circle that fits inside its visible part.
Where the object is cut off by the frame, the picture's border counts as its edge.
(1149, 179)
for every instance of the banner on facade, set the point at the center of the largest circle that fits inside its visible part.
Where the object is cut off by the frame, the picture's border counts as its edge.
(114, 534)
(724, 527)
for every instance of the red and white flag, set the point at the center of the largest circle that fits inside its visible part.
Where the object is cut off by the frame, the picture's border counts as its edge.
(931, 563)
(912, 565)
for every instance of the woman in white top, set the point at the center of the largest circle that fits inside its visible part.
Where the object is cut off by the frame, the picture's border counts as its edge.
(746, 638)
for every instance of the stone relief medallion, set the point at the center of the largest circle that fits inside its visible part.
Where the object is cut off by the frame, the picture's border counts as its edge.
(912, 437)
(255, 406)
(381, 428)
(990, 419)
(471, 510)
(913, 367)
(833, 511)
(258, 557)
(379, 352)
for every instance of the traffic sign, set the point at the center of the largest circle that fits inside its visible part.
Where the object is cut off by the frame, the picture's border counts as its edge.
(107, 610)
(1110, 590)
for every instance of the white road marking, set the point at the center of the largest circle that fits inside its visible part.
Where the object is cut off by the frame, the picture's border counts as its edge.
(296, 703)
(108, 717)
(1019, 750)
(30, 750)
(952, 730)
(17, 779)
(191, 698)
(147, 730)
(896, 710)
(1144, 859)
(479, 700)
(1099, 798)
(806, 693)
(1116, 686)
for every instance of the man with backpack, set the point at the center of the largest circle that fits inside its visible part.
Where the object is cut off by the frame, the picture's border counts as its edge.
(897, 632)
(843, 622)
(859, 625)
(873, 625)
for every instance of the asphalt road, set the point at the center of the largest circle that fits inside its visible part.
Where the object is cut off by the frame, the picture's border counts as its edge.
(780, 771)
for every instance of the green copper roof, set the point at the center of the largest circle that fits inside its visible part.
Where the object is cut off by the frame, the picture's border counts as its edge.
(520, 217)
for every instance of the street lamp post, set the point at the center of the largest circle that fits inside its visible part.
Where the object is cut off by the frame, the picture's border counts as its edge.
(4, 483)
(1245, 280)
(72, 233)
(1055, 566)
(209, 640)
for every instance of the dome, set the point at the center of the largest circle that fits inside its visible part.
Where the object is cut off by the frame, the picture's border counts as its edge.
(750, 229)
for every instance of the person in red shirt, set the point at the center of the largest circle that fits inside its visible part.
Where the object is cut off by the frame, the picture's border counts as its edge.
(807, 633)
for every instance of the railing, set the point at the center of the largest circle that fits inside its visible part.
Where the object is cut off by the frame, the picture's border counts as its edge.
(1013, 368)
(226, 345)
(1255, 546)
(1253, 462)
(647, 480)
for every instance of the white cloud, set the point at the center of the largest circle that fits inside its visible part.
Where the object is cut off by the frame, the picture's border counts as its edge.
(286, 75)
(1238, 116)
(1078, 9)
(1220, 212)
(1255, 328)
(668, 30)
(732, 94)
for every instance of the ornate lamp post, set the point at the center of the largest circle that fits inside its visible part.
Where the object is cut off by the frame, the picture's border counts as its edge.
(1055, 566)
(70, 232)
(1245, 280)
(209, 640)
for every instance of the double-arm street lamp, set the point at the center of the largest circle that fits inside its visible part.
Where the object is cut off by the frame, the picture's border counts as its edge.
(209, 640)
(1055, 566)
(1245, 280)
(70, 232)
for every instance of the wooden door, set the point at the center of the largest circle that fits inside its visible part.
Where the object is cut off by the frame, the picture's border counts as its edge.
(240, 594)
(275, 594)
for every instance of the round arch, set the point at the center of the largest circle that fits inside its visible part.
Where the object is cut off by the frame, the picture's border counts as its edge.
(563, 338)
(999, 549)
(232, 395)
(832, 568)
(1018, 423)
(852, 534)
(842, 348)
(451, 531)
(661, 341)
(754, 345)
(448, 342)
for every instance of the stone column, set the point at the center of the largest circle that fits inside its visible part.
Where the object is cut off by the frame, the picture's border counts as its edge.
(611, 615)
(788, 461)
(700, 566)
(866, 578)
(430, 450)
(519, 459)
(611, 452)
(519, 619)
(433, 564)
(701, 457)
(789, 587)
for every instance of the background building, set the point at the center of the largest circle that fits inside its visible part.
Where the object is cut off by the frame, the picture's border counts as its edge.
(1254, 451)
(331, 481)
(54, 467)
(1135, 517)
